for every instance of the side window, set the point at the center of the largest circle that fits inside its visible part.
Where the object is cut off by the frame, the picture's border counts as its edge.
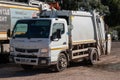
(57, 26)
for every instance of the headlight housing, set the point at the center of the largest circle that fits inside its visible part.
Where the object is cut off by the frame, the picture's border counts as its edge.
(44, 50)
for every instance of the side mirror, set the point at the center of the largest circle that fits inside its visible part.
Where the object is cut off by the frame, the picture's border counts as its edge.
(58, 33)
(8, 33)
(51, 38)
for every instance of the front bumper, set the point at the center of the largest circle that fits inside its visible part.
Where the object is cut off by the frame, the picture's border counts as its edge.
(41, 61)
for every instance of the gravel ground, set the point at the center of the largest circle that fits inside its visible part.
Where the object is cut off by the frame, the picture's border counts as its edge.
(107, 69)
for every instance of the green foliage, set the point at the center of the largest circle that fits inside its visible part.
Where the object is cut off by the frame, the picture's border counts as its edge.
(114, 18)
(87, 5)
(110, 8)
(96, 4)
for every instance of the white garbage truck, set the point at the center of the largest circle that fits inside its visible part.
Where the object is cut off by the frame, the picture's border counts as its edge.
(59, 37)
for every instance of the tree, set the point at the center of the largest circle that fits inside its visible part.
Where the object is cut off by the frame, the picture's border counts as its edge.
(87, 5)
(111, 8)
(114, 18)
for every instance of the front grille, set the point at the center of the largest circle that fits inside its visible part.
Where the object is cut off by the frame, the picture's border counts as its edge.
(20, 50)
(27, 50)
(27, 56)
(32, 50)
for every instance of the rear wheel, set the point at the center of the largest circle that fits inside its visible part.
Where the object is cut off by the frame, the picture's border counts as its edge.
(93, 56)
(61, 63)
(27, 67)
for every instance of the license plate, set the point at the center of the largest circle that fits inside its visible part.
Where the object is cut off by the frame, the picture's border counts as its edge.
(24, 60)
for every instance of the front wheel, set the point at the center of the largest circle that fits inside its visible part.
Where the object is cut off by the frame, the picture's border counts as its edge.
(61, 63)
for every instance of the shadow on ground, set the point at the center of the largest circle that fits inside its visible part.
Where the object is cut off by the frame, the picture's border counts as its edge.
(4, 58)
(19, 72)
(111, 67)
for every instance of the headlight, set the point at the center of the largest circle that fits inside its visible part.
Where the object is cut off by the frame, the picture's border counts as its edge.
(11, 48)
(45, 50)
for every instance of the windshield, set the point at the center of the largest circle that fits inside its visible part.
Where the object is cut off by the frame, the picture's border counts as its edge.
(32, 29)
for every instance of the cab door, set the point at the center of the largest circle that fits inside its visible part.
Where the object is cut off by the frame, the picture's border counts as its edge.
(59, 39)
(59, 36)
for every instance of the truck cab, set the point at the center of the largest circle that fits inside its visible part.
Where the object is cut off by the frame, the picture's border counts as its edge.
(38, 41)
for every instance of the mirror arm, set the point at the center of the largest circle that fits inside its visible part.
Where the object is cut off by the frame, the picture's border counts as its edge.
(8, 33)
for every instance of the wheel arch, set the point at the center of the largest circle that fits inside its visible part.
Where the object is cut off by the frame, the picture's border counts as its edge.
(66, 54)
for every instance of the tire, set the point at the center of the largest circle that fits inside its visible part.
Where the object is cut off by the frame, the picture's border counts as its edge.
(93, 57)
(61, 63)
(27, 67)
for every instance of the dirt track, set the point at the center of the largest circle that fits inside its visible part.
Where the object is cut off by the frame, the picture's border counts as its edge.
(107, 69)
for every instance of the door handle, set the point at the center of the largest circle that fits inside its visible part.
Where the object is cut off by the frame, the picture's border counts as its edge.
(64, 43)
